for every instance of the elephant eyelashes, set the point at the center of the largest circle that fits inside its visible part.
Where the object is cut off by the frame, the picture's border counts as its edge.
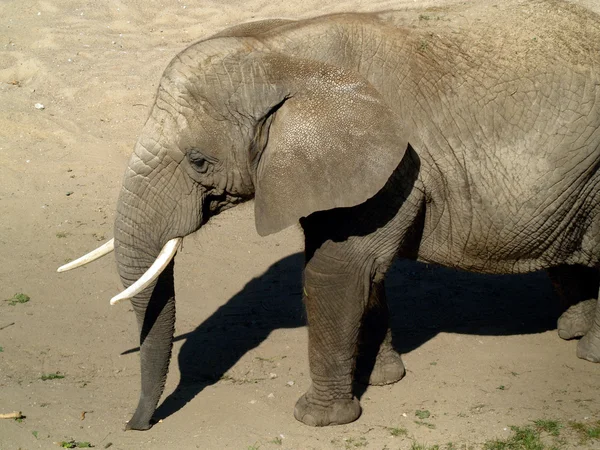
(199, 161)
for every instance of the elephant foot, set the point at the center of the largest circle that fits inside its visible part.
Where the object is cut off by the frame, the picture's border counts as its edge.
(589, 347)
(577, 320)
(388, 369)
(142, 418)
(139, 425)
(336, 412)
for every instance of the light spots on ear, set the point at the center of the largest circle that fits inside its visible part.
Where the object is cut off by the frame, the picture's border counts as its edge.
(333, 144)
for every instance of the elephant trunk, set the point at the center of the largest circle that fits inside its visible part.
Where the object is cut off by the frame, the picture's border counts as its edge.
(145, 221)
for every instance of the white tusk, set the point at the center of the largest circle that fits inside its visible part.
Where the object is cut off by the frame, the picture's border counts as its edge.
(104, 249)
(162, 260)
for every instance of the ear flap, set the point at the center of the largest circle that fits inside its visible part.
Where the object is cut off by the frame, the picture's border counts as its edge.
(334, 143)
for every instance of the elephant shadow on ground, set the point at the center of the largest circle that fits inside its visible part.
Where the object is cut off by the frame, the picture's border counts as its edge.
(424, 300)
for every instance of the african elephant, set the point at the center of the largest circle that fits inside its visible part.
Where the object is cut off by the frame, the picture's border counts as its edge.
(471, 141)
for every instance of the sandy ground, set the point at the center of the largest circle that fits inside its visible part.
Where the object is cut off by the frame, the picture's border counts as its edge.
(482, 352)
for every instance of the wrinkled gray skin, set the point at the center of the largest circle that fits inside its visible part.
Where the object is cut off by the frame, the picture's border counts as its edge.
(467, 144)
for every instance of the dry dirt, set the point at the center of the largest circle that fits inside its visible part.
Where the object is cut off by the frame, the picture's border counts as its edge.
(482, 352)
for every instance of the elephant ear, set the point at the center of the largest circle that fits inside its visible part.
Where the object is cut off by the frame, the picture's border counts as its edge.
(333, 143)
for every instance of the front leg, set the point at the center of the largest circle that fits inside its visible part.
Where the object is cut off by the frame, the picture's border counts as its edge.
(378, 363)
(336, 293)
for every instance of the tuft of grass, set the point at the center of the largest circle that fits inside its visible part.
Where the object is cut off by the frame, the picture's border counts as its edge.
(61, 234)
(586, 432)
(425, 424)
(501, 387)
(35, 434)
(552, 427)
(422, 414)
(18, 298)
(277, 441)
(350, 443)
(424, 17)
(254, 446)
(51, 376)
(416, 446)
(523, 438)
(398, 431)
(75, 444)
(1, 349)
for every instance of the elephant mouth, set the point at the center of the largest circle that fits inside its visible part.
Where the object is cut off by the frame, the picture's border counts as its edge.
(216, 204)
(160, 263)
(213, 205)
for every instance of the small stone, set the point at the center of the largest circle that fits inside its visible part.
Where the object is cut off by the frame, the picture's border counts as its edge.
(39, 106)
(271, 395)
(290, 383)
(272, 375)
(68, 194)
(403, 414)
(252, 402)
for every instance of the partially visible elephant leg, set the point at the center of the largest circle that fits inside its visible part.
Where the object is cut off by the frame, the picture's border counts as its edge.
(336, 293)
(577, 288)
(378, 363)
(589, 345)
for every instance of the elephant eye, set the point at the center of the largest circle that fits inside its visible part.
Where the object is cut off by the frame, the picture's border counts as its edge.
(199, 161)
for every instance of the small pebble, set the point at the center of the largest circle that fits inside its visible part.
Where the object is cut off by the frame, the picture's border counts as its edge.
(271, 395)
(290, 383)
(39, 106)
(252, 402)
(69, 193)
(272, 375)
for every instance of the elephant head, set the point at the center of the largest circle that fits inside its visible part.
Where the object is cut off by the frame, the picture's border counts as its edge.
(232, 121)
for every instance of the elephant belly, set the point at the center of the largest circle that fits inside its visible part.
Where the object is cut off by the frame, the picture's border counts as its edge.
(501, 234)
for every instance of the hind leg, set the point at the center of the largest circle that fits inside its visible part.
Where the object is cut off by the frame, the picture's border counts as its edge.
(589, 345)
(577, 288)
